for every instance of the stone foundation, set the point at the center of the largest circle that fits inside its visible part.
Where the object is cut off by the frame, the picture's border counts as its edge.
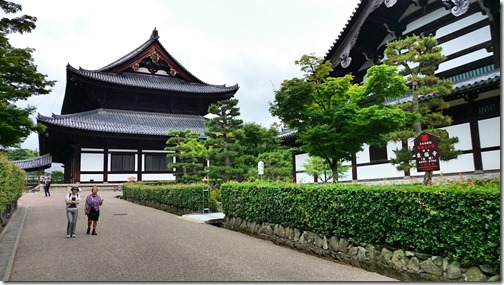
(395, 263)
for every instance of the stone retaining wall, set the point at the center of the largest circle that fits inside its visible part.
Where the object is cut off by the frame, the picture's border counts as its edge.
(395, 263)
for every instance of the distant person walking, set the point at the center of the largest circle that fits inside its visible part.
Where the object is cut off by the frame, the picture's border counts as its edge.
(93, 203)
(47, 184)
(72, 201)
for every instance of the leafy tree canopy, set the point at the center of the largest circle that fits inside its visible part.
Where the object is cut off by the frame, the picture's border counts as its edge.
(18, 153)
(19, 79)
(330, 115)
(316, 166)
(277, 166)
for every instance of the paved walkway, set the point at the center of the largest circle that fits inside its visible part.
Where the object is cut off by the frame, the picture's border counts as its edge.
(137, 243)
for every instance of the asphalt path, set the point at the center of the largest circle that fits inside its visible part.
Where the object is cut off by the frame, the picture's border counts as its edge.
(138, 243)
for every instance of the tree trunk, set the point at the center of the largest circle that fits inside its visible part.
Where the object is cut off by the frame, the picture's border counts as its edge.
(418, 128)
(334, 169)
(404, 144)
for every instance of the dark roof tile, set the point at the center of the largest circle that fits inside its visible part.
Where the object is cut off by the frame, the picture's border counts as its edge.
(153, 82)
(127, 122)
(41, 162)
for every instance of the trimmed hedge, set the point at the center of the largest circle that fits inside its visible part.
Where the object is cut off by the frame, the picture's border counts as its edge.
(460, 222)
(12, 182)
(186, 197)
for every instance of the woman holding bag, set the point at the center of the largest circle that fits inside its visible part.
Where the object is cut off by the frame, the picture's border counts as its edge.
(92, 210)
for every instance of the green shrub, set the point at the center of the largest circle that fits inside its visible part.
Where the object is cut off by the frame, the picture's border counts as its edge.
(459, 221)
(12, 182)
(184, 197)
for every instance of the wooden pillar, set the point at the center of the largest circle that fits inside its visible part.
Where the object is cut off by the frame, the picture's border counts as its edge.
(105, 164)
(474, 129)
(139, 165)
(77, 164)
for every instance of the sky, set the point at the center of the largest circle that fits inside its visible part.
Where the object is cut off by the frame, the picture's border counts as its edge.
(252, 43)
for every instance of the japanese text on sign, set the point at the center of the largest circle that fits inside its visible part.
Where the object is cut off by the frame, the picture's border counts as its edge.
(426, 152)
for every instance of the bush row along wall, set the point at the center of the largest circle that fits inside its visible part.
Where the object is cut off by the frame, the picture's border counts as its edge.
(395, 263)
(459, 222)
(12, 185)
(174, 198)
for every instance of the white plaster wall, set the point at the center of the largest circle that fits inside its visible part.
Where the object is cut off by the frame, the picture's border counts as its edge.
(489, 131)
(463, 132)
(91, 162)
(426, 19)
(391, 146)
(463, 163)
(363, 155)
(120, 177)
(88, 177)
(304, 178)
(470, 39)
(378, 171)
(347, 176)
(491, 160)
(464, 22)
(300, 160)
(157, 176)
(473, 56)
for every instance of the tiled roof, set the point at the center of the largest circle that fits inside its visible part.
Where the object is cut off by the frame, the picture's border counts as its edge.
(458, 87)
(153, 82)
(477, 81)
(41, 162)
(290, 134)
(127, 122)
(153, 38)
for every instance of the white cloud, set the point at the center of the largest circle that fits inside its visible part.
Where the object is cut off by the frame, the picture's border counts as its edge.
(252, 43)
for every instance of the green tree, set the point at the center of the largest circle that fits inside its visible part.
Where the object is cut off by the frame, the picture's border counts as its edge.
(57, 176)
(329, 115)
(19, 153)
(223, 132)
(277, 166)
(19, 79)
(255, 140)
(189, 154)
(418, 58)
(318, 167)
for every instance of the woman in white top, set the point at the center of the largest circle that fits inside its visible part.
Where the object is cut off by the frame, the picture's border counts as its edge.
(72, 201)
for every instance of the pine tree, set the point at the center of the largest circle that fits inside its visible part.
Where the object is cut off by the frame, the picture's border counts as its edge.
(223, 133)
(417, 59)
(189, 156)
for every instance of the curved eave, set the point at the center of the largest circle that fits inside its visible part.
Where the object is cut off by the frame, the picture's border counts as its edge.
(122, 122)
(151, 82)
(41, 162)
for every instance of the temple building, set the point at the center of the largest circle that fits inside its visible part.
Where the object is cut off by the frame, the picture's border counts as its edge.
(469, 33)
(115, 120)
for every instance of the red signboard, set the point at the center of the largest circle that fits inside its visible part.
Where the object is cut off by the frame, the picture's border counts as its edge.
(426, 152)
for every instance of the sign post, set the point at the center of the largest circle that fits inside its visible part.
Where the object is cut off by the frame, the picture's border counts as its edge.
(427, 155)
(260, 168)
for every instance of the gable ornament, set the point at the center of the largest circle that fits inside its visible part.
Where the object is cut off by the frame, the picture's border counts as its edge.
(458, 7)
